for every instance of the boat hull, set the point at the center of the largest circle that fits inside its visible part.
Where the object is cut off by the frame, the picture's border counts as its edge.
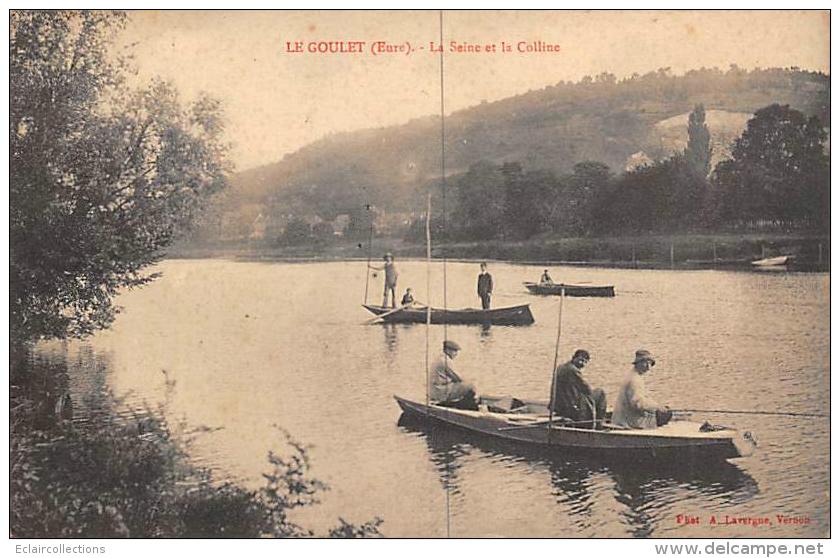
(571, 290)
(778, 261)
(514, 315)
(679, 441)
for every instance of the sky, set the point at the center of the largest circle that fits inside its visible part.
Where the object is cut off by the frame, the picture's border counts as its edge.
(277, 101)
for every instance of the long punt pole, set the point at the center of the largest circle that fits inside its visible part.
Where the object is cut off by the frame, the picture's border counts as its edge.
(370, 243)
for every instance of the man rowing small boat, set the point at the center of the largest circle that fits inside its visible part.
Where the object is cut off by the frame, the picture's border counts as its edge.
(546, 279)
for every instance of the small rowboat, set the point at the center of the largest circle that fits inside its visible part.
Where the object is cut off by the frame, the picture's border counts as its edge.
(773, 262)
(513, 315)
(570, 290)
(680, 440)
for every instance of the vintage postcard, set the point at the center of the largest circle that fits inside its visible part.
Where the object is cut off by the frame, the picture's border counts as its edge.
(420, 274)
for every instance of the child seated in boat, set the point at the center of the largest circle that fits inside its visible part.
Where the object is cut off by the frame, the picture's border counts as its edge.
(634, 408)
(408, 297)
(448, 389)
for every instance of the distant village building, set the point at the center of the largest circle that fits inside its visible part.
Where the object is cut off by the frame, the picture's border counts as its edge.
(258, 228)
(637, 160)
(395, 223)
(340, 223)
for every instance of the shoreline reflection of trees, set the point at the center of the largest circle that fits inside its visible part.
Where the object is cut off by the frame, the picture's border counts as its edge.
(642, 489)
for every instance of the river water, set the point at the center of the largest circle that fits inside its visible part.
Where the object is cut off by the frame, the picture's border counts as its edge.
(254, 345)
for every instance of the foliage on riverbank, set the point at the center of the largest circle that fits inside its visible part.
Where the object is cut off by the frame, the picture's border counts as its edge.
(127, 474)
(696, 251)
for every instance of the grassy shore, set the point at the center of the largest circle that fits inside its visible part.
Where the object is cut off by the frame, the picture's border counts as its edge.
(695, 251)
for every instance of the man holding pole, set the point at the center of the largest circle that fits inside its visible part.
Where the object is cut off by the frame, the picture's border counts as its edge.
(390, 280)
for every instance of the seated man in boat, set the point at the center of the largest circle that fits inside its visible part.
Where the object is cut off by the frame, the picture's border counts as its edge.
(573, 398)
(546, 279)
(448, 389)
(634, 408)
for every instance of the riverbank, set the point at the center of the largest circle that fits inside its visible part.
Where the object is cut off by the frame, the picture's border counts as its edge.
(810, 252)
(105, 470)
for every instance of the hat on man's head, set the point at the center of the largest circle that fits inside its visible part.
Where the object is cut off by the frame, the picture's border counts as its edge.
(642, 354)
(388, 255)
(451, 345)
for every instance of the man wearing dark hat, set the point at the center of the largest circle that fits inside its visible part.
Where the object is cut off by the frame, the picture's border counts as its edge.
(634, 408)
(448, 389)
(573, 397)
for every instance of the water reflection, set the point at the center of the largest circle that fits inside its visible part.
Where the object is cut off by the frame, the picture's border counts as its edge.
(391, 337)
(646, 494)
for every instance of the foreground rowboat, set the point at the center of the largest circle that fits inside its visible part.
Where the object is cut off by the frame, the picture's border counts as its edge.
(514, 315)
(570, 290)
(680, 440)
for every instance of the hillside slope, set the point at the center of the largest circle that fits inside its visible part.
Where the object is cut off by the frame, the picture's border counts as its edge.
(596, 119)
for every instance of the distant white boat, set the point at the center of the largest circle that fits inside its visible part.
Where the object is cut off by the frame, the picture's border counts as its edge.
(773, 262)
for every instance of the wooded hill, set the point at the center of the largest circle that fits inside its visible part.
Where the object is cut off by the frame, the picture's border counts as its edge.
(598, 119)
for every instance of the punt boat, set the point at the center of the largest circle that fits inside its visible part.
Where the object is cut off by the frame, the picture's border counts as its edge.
(513, 315)
(570, 290)
(680, 440)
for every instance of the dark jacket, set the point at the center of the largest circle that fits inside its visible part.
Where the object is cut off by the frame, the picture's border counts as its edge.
(485, 284)
(571, 392)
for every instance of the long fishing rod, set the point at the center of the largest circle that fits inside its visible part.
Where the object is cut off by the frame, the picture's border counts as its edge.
(370, 243)
(740, 412)
(554, 367)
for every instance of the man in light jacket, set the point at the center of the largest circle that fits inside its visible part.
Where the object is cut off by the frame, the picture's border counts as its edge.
(634, 407)
(448, 389)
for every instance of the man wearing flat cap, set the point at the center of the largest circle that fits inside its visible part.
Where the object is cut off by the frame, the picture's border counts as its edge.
(448, 389)
(573, 398)
(634, 408)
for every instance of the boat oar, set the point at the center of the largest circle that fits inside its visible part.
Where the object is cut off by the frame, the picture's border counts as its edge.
(739, 412)
(388, 313)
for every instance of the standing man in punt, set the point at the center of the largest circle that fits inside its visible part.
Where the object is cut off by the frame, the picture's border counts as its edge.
(390, 280)
(634, 408)
(573, 398)
(485, 286)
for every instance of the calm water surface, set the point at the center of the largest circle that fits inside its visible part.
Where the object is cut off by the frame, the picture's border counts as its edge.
(252, 345)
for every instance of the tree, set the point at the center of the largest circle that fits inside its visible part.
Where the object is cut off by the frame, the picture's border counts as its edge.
(779, 170)
(102, 177)
(573, 206)
(698, 153)
(479, 203)
(297, 232)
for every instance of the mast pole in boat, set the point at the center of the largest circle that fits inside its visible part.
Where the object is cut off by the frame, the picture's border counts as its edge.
(370, 243)
(554, 368)
(428, 291)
